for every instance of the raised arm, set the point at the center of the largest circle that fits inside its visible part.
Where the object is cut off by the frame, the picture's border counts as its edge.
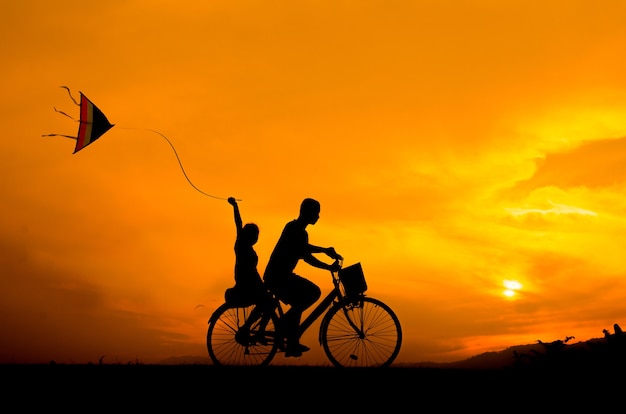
(238, 221)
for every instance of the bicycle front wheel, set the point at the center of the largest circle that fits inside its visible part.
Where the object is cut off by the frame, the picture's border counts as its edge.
(229, 345)
(361, 332)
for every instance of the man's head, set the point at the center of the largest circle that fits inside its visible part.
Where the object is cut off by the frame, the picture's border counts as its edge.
(310, 210)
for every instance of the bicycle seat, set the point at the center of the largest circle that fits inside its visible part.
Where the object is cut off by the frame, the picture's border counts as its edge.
(239, 297)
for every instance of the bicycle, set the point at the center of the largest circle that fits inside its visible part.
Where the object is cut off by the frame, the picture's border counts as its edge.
(356, 330)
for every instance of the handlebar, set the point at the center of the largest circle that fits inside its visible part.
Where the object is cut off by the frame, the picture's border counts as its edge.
(338, 261)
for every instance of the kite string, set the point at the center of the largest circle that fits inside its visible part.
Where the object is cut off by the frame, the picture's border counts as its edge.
(181, 164)
(151, 130)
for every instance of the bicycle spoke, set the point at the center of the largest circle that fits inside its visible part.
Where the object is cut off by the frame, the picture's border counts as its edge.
(227, 345)
(363, 335)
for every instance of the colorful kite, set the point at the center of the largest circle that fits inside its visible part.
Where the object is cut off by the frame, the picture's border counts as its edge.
(93, 124)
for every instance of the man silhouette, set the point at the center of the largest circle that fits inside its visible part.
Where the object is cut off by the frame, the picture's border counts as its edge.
(299, 293)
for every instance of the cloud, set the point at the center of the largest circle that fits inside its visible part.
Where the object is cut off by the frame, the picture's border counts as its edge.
(594, 165)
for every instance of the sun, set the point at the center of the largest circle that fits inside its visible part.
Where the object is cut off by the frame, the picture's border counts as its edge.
(511, 288)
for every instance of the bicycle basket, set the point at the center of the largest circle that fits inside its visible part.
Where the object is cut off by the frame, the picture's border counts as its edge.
(353, 280)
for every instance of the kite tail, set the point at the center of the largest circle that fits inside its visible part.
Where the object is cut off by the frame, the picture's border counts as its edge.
(70, 94)
(63, 113)
(181, 165)
(59, 135)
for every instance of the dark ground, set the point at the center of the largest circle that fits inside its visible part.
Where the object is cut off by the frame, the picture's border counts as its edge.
(199, 388)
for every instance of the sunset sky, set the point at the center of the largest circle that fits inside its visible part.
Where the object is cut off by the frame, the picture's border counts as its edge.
(458, 148)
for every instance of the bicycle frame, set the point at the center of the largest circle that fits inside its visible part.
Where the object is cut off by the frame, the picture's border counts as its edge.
(334, 296)
(319, 310)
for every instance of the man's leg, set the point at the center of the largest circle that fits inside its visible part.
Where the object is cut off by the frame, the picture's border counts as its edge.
(299, 293)
(292, 327)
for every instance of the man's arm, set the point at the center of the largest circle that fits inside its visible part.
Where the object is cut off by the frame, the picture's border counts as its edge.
(328, 251)
(314, 261)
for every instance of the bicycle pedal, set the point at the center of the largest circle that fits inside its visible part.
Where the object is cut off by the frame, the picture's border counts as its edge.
(260, 339)
(296, 350)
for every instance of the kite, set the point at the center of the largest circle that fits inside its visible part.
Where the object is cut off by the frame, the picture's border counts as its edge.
(93, 124)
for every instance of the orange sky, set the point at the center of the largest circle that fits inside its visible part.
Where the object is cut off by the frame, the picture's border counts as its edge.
(454, 145)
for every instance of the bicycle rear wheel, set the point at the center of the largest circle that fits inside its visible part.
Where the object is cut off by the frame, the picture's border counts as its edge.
(229, 345)
(362, 332)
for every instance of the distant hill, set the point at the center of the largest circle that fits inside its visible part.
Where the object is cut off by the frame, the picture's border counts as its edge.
(606, 352)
